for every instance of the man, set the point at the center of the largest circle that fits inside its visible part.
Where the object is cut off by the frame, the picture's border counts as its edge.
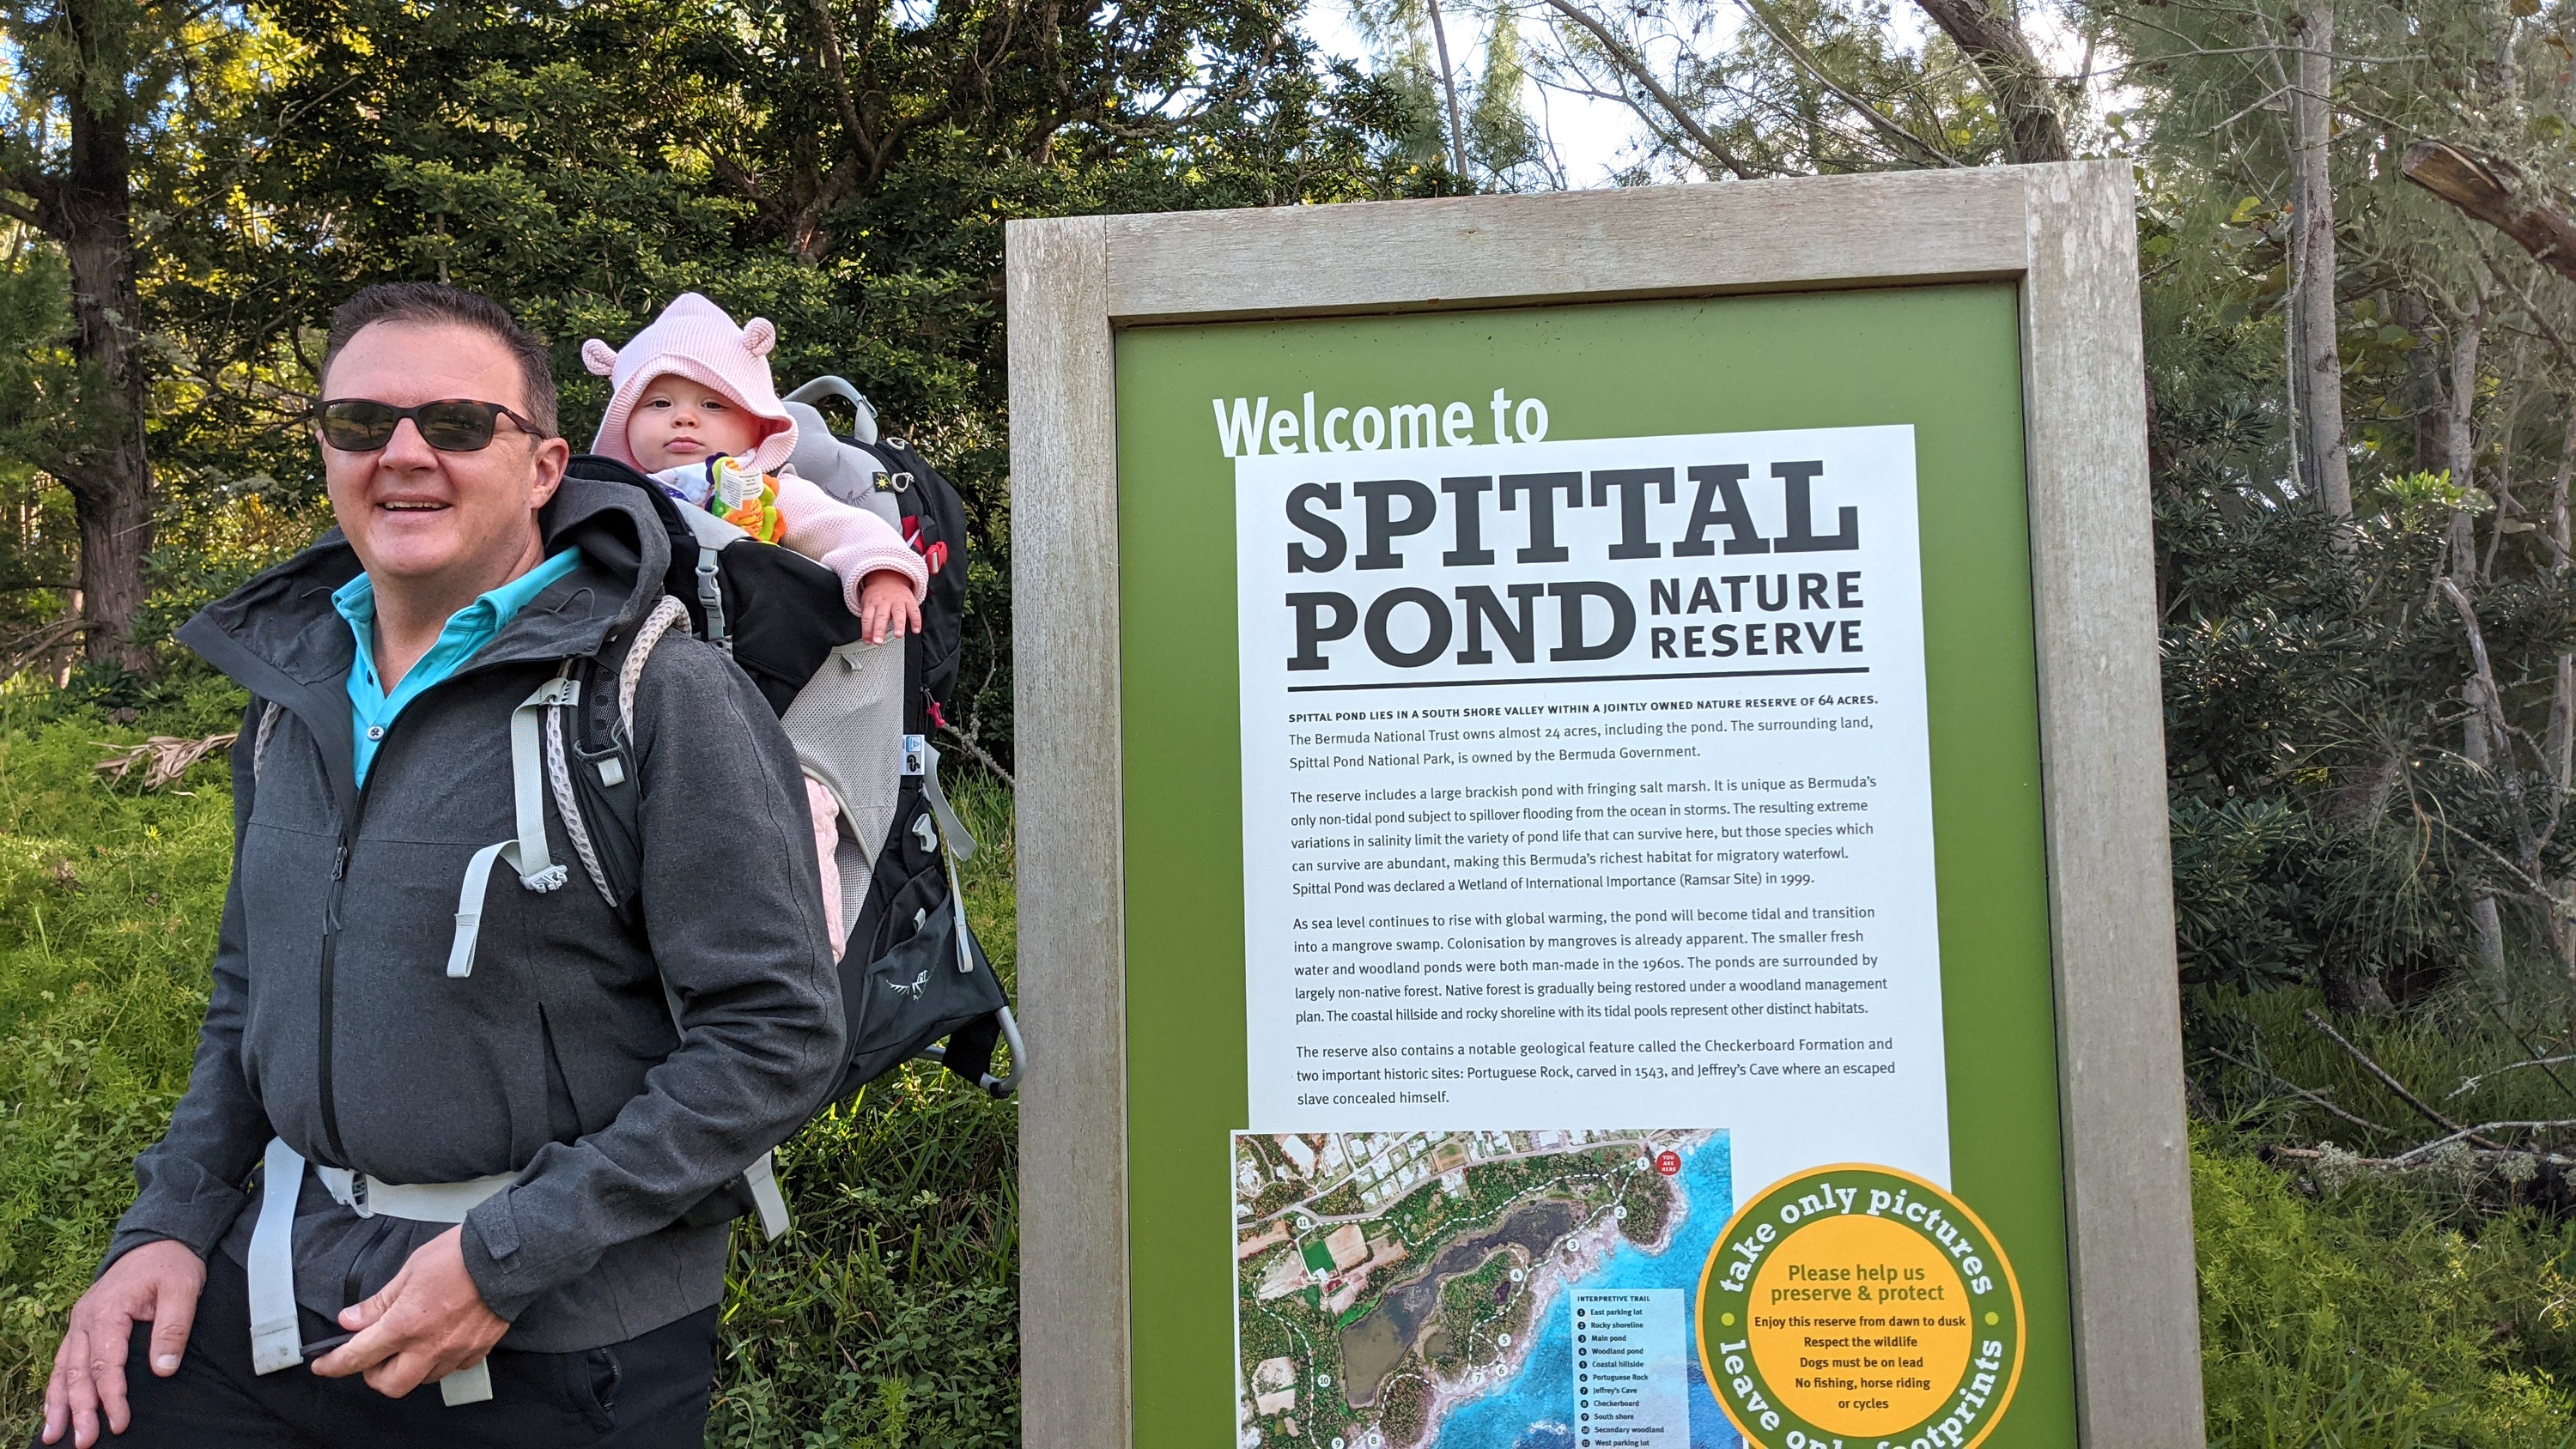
(495, 1243)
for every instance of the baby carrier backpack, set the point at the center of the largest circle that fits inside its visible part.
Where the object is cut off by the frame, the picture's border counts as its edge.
(914, 980)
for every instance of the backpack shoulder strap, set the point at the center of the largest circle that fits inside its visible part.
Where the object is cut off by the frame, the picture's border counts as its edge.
(269, 713)
(598, 793)
(592, 773)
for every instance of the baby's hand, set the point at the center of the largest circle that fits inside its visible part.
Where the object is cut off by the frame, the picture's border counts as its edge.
(886, 607)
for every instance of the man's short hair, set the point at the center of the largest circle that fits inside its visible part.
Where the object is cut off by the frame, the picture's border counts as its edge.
(433, 304)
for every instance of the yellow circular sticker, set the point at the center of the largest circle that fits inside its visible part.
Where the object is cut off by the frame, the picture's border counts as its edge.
(1860, 1307)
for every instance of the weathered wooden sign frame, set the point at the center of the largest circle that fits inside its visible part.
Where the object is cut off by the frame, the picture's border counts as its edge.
(2064, 234)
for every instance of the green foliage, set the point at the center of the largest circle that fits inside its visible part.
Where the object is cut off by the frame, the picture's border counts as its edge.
(107, 904)
(2351, 1320)
(2327, 827)
(890, 1316)
(845, 170)
(2267, 895)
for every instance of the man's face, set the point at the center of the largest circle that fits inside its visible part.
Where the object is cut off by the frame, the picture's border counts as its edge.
(416, 515)
(678, 421)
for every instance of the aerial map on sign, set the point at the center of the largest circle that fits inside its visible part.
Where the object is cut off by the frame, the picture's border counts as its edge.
(1473, 1290)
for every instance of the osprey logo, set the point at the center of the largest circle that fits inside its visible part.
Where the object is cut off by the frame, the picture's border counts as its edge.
(911, 988)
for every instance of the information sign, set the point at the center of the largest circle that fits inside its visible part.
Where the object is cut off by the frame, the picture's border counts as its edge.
(1539, 931)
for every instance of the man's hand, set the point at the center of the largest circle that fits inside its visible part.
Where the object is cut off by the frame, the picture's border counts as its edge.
(426, 1324)
(158, 1284)
(886, 607)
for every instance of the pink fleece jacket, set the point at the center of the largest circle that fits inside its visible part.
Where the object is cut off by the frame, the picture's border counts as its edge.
(850, 541)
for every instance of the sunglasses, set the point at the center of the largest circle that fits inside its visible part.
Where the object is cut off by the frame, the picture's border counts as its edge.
(451, 425)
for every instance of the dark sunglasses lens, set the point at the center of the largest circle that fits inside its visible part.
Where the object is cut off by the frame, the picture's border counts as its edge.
(358, 426)
(458, 426)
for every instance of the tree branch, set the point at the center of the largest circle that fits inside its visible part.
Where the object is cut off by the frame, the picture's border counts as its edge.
(842, 103)
(2490, 189)
(2394, 1085)
(2490, 706)
(2473, 1135)
(1807, 61)
(1630, 62)
(2317, 1097)
(2033, 131)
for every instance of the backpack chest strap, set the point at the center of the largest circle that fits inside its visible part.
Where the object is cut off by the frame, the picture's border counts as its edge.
(526, 852)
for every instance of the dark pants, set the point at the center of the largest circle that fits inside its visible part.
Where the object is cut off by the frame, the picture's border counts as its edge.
(649, 1392)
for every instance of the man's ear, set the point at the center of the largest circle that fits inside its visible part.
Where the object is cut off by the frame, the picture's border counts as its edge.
(550, 457)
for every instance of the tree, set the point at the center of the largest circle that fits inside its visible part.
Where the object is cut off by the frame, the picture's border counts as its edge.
(844, 170)
(1752, 88)
(91, 75)
(2316, 362)
(2020, 87)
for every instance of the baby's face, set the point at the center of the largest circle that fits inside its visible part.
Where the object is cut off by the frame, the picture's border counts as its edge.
(678, 421)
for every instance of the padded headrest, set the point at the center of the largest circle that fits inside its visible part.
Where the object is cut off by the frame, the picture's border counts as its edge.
(847, 473)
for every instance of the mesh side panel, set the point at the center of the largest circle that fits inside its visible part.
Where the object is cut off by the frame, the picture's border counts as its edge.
(848, 727)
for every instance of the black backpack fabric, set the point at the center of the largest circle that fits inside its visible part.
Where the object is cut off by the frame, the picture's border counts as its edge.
(908, 923)
(914, 980)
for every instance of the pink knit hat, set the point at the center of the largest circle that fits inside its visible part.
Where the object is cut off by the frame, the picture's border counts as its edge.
(695, 339)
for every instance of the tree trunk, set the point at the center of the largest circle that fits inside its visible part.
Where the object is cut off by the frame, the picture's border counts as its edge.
(2351, 986)
(1449, 88)
(2559, 741)
(88, 210)
(2466, 335)
(2459, 442)
(1992, 41)
(2319, 385)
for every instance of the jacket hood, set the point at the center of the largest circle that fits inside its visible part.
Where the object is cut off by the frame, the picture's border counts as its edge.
(278, 634)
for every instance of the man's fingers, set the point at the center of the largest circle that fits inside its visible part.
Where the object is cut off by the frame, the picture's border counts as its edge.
(371, 1346)
(173, 1313)
(84, 1394)
(400, 1374)
(107, 1373)
(58, 1388)
(367, 1311)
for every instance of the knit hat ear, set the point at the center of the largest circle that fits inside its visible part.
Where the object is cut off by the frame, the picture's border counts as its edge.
(599, 357)
(758, 336)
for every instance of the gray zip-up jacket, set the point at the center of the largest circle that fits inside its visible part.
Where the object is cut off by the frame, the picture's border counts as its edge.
(334, 1025)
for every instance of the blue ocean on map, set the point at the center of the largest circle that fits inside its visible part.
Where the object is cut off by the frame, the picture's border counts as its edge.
(1535, 1409)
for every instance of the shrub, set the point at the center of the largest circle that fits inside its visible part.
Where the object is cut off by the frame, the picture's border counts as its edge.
(2356, 1321)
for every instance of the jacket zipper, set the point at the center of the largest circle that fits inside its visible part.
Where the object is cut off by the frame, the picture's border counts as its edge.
(330, 958)
(331, 915)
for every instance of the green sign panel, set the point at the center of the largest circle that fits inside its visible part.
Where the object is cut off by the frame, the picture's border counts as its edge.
(1587, 951)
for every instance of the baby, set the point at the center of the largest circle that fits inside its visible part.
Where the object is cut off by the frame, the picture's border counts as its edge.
(691, 405)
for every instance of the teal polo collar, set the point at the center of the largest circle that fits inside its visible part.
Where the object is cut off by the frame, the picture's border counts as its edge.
(467, 631)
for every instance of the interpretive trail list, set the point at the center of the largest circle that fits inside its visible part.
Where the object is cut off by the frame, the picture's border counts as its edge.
(1586, 782)
(1631, 1390)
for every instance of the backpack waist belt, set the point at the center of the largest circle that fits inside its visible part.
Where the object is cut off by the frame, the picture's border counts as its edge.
(275, 1342)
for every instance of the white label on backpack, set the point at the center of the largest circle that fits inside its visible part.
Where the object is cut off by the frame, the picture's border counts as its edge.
(916, 754)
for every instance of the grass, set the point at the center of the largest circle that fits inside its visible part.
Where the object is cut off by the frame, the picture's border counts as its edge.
(888, 1317)
(2339, 1310)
